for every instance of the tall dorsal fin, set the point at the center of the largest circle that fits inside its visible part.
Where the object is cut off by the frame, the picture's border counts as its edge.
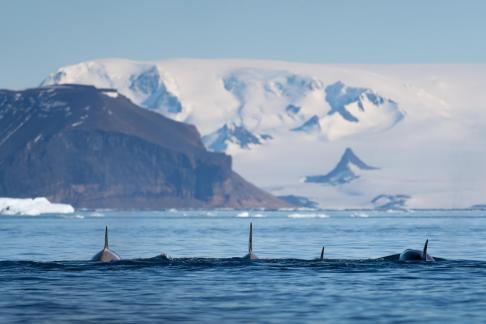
(424, 252)
(106, 237)
(250, 240)
(322, 254)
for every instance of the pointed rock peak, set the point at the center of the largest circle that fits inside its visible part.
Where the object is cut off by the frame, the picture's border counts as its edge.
(343, 172)
(349, 157)
(387, 201)
(232, 133)
(348, 152)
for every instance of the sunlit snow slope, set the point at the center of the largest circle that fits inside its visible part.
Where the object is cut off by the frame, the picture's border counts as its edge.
(423, 125)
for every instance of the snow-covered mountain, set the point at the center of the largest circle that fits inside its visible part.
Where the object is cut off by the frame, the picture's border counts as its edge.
(346, 171)
(245, 102)
(423, 125)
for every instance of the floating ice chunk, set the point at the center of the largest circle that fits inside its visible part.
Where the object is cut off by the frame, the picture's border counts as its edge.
(243, 214)
(297, 215)
(32, 207)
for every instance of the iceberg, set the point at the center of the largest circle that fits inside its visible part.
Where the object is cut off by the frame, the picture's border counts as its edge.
(32, 207)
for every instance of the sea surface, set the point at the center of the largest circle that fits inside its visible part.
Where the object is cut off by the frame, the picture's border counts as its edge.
(46, 275)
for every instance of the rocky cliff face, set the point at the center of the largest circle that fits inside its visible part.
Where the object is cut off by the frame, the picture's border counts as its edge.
(92, 147)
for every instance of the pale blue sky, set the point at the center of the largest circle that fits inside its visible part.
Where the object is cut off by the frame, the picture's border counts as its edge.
(37, 37)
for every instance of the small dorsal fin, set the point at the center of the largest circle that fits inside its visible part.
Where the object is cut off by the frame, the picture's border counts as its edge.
(106, 237)
(250, 240)
(322, 254)
(424, 252)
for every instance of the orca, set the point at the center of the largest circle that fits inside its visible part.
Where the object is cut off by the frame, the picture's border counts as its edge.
(106, 255)
(250, 255)
(413, 255)
(416, 255)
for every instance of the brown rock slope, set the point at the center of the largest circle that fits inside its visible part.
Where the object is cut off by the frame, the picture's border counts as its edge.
(94, 148)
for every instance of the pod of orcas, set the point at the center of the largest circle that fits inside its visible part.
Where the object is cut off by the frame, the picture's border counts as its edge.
(108, 255)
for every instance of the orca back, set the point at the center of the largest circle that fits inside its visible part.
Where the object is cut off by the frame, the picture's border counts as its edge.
(414, 255)
(106, 255)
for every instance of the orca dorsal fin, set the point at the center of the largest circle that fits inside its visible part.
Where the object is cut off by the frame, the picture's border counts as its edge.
(322, 254)
(424, 252)
(106, 237)
(250, 240)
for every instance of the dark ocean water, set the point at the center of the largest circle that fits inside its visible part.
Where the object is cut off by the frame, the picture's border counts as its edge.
(45, 276)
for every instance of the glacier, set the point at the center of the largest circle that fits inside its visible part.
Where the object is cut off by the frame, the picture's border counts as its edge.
(423, 125)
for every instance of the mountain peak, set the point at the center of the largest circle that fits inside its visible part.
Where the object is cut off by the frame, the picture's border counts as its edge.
(344, 172)
(350, 158)
(350, 101)
(231, 133)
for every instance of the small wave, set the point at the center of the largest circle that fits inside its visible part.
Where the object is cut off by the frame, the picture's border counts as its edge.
(96, 214)
(297, 215)
(284, 209)
(76, 216)
(243, 214)
(210, 214)
(306, 209)
(362, 215)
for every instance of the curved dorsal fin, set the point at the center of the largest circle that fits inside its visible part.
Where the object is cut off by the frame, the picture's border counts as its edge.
(424, 252)
(106, 237)
(250, 240)
(322, 254)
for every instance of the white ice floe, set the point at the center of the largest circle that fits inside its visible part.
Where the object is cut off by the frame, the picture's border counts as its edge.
(297, 215)
(32, 207)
